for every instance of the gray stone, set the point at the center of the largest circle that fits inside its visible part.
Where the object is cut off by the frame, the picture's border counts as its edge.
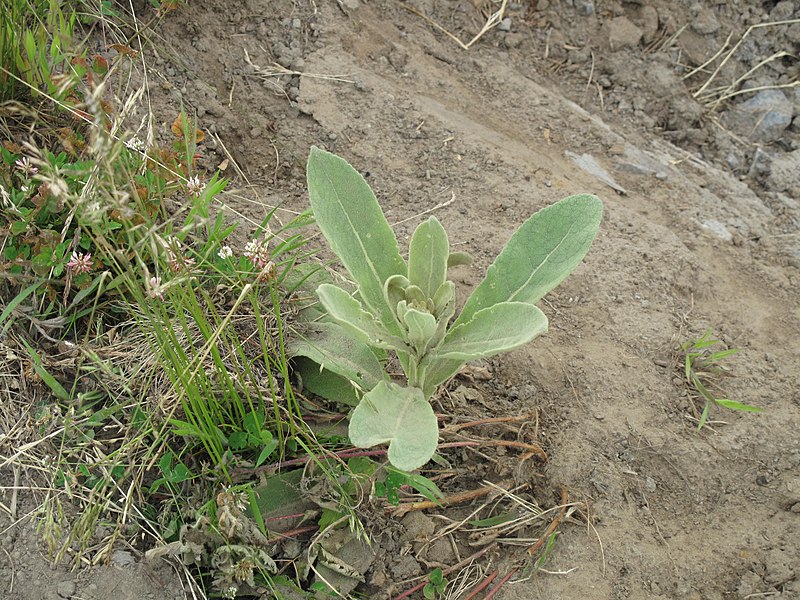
(784, 171)
(418, 526)
(649, 20)
(122, 558)
(704, 21)
(585, 7)
(622, 33)
(66, 589)
(505, 24)
(762, 118)
(718, 229)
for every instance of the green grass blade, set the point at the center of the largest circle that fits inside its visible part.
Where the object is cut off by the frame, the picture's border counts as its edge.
(733, 405)
(17, 300)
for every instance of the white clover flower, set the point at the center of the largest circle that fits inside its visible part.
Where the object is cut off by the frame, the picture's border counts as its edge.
(25, 165)
(257, 251)
(80, 263)
(195, 187)
(154, 288)
(225, 252)
(135, 144)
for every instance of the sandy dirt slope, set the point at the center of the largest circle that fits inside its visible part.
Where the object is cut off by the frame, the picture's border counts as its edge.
(483, 138)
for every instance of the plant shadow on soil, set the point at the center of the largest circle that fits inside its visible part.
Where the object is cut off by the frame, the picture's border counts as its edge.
(702, 231)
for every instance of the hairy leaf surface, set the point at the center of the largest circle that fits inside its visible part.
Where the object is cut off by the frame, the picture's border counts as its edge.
(350, 218)
(401, 417)
(540, 254)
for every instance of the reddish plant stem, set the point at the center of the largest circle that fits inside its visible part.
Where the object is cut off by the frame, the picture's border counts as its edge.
(459, 498)
(488, 421)
(553, 524)
(355, 452)
(295, 532)
(482, 586)
(495, 589)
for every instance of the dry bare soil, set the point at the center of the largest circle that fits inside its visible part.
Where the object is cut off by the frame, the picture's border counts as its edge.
(701, 231)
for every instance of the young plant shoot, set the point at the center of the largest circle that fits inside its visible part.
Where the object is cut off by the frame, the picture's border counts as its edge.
(409, 307)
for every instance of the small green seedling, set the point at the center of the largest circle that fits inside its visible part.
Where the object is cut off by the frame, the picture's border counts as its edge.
(702, 367)
(410, 307)
(437, 583)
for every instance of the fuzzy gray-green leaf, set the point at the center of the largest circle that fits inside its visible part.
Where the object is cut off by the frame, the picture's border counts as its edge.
(493, 330)
(333, 348)
(350, 218)
(540, 254)
(350, 314)
(427, 257)
(421, 327)
(401, 417)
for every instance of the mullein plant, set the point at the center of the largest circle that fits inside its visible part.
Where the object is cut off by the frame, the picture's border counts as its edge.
(409, 307)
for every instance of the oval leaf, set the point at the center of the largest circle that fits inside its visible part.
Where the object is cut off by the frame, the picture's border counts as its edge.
(427, 257)
(540, 254)
(401, 417)
(496, 329)
(421, 327)
(332, 348)
(350, 218)
(348, 312)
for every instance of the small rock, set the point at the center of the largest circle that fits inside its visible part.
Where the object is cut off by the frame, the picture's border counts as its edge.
(718, 229)
(622, 33)
(649, 20)
(505, 24)
(298, 64)
(66, 589)
(784, 171)
(585, 7)
(418, 526)
(122, 558)
(762, 118)
(296, 23)
(704, 21)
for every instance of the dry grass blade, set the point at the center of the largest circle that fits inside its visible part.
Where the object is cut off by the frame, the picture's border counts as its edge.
(492, 22)
(713, 97)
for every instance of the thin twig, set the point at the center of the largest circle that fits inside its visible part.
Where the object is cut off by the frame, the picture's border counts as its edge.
(459, 498)
(553, 525)
(459, 426)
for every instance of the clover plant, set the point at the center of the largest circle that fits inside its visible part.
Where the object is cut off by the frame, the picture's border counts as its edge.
(410, 307)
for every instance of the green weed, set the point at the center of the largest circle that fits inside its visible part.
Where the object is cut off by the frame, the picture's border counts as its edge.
(702, 369)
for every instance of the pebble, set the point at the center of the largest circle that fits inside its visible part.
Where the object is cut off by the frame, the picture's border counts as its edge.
(585, 7)
(762, 118)
(505, 24)
(704, 21)
(66, 589)
(622, 33)
(784, 171)
(122, 558)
